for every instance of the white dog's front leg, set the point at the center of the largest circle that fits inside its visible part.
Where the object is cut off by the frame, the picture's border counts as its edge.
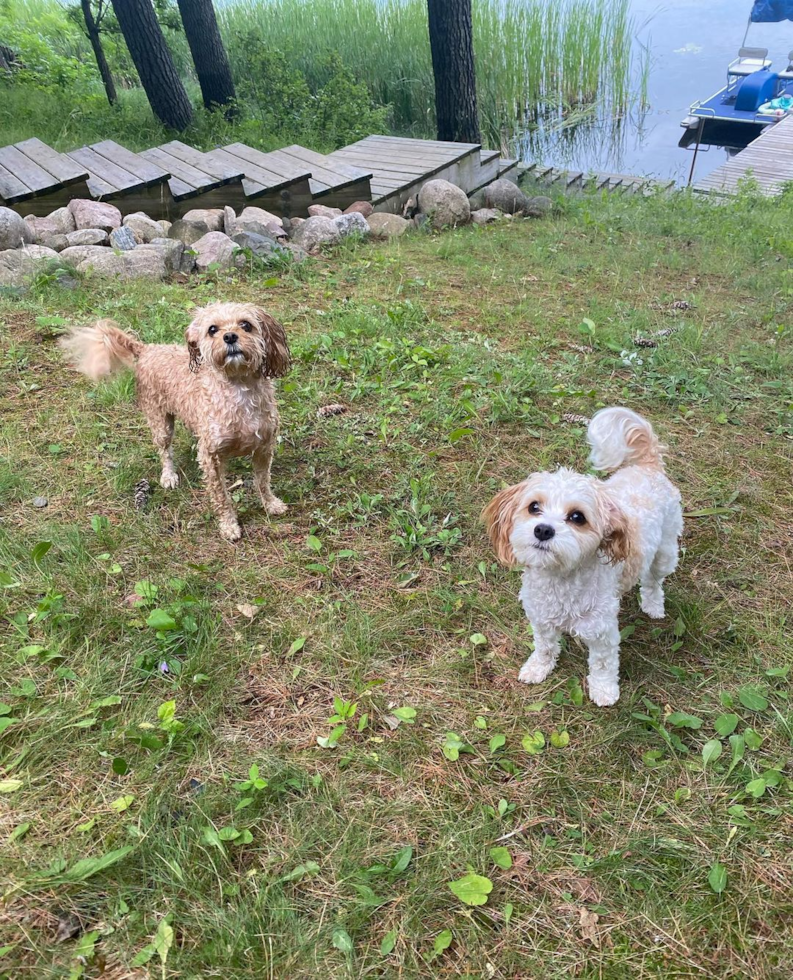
(543, 660)
(604, 666)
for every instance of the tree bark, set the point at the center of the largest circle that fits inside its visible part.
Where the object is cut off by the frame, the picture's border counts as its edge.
(163, 87)
(452, 45)
(92, 30)
(209, 54)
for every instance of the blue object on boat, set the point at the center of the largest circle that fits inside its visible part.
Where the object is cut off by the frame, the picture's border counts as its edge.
(771, 11)
(755, 89)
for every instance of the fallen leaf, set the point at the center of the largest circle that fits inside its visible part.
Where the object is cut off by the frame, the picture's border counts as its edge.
(588, 925)
(248, 611)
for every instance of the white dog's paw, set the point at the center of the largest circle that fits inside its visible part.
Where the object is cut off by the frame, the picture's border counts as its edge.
(169, 480)
(603, 692)
(535, 670)
(275, 507)
(230, 531)
(652, 605)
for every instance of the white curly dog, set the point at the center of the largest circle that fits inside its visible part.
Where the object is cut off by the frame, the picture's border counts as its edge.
(582, 542)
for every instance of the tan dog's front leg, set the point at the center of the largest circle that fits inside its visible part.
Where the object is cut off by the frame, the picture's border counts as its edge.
(262, 462)
(214, 470)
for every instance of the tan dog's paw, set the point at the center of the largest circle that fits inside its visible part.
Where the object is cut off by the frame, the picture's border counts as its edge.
(275, 507)
(230, 531)
(169, 481)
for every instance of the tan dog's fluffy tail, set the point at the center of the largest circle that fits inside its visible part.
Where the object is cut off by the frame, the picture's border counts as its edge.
(620, 437)
(102, 349)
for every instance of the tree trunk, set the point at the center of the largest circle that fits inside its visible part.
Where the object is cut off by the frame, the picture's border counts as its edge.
(163, 87)
(92, 30)
(452, 45)
(209, 55)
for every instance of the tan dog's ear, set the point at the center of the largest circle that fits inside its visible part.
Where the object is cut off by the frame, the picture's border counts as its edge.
(277, 358)
(617, 544)
(499, 518)
(191, 336)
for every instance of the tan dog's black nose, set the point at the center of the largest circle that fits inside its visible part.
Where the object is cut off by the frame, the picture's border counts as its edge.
(543, 532)
(230, 338)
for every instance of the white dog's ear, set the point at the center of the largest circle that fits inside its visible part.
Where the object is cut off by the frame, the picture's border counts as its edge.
(192, 336)
(499, 518)
(618, 544)
(277, 358)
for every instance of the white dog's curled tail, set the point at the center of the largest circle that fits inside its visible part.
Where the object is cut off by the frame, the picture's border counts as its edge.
(621, 437)
(102, 349)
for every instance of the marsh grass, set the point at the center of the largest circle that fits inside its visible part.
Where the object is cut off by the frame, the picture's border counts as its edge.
(457, 357)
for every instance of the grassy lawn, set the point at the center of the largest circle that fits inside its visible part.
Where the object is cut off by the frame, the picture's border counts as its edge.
(147, 666)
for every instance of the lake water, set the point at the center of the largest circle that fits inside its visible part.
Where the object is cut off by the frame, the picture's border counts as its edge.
(690, 42)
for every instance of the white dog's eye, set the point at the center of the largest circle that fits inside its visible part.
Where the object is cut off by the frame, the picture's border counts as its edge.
(246, 326)
(576, 517)
(213, 330)
(534, 507)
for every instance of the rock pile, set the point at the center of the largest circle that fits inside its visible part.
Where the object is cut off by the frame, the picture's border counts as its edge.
(93, 236)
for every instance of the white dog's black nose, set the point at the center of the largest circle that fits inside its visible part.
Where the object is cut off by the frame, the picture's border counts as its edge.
(544, 532)
(230, 338)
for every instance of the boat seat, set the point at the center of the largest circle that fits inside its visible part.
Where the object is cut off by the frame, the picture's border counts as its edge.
(754, 90)
(787, 74)
(749, 61)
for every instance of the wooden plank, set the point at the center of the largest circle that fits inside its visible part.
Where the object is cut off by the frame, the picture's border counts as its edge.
(26, 171)
(455, 149)
(12, 189)
(375, 154)
(209, 164)
(379, 148)
(64, 170)
(317, 162)
(185, 181)
(104, 176)
(133, 163)
(274, 161)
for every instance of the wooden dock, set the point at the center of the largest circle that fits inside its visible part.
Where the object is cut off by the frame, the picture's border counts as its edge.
(768, 160)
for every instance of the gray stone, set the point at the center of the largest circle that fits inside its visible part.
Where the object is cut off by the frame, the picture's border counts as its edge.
(40, 502)
(314, 232)
(165, 225)
(321, 211)
(212, 217)
(123, 239)
(94, 214)
(262, 246)
(444, 203)
(422, 222)
(483, 216)
(537, 207)
(361, 207)
(229, 221)
(60, 222)
(214, 248)
(352, 224)
(56, 242)
(477, 200)
(144, 228)
(86, 236)
(505, 196)
(382, 224)
(188, 231)
(295, 223)
(176, 256)
(257, 221)
(14, 232)
(143, 263)
(76, 254)
(298, 253)
(19, 264)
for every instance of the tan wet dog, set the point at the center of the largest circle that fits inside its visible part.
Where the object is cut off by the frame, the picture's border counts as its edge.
(218, 385)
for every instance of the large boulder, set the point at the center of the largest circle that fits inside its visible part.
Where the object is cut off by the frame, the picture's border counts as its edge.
(257, 221)
(123, 239)
(382, 224)
(352, 224)
(86, 236)
(505, 196)
(322, 211)
(143, 263)
(314, 232)
(362, 207)
(56, 242)
(144, 228)
(188, 232)
(444, 203)
(14, 232)
(60, 222)
(262, 246)
(214, 248)
(212, 217)
(74, 255)
(19, 264)
(176, 256)
(94, 214)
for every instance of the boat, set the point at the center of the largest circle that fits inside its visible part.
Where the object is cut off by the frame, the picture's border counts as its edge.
(755, 95)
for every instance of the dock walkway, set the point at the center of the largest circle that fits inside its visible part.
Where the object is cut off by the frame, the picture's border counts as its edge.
(768, 160)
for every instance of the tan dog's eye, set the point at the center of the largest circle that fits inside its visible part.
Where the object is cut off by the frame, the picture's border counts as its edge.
(213, 330)
(576, 517)
(247, 327)
(534, 507)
